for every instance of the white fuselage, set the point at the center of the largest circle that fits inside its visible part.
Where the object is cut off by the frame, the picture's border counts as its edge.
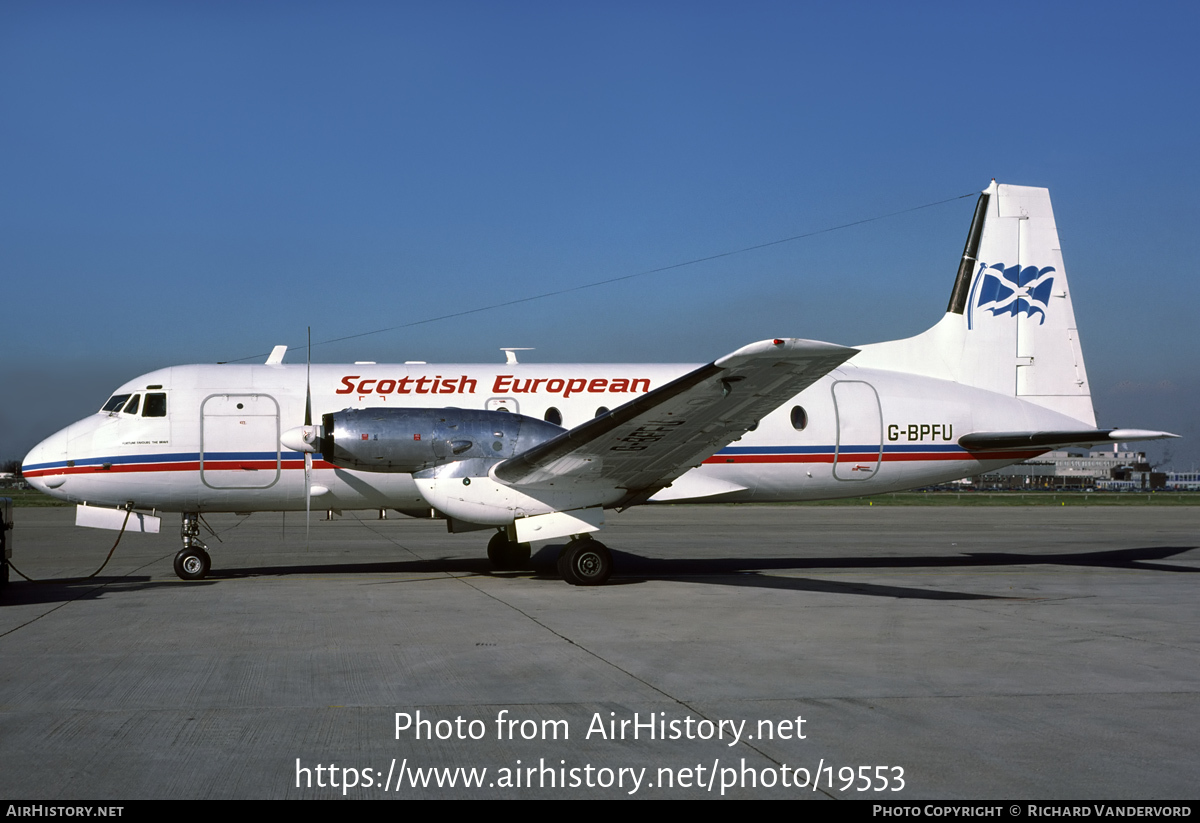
(217, 448)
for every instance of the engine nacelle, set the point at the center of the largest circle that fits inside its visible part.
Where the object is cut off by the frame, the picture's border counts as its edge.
(409, 440)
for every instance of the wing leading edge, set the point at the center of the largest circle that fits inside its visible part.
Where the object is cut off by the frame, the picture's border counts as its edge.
(645, 444)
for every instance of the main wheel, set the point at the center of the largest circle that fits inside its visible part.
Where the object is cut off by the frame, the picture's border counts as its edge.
(506, 555)
(585, 562)
(192, 564)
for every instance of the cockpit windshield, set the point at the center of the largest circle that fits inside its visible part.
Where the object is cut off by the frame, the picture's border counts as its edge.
(155, 405)
(115, 402)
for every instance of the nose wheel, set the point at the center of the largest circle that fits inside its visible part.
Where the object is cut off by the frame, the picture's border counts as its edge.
(192, 562)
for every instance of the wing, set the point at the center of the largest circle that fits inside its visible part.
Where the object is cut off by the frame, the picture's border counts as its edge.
(992, 441)
(645, 444)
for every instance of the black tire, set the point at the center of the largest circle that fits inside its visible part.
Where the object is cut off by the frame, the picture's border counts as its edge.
(192, 564)
(506, 555)
(585, 562)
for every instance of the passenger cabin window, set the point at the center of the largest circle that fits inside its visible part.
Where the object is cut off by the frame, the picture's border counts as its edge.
(799, 418)
(115, 402)
(554, 416)
(156, 405)
(132, 406)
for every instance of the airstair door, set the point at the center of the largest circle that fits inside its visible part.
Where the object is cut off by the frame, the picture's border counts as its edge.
(239, 441)
(859, 447)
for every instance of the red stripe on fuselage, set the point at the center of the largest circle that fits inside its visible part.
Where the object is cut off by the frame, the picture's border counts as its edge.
(182, 466)
(717, 459)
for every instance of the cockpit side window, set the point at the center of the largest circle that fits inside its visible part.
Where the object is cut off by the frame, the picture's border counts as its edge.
(132, 406)
(156, 405)
(115, 402)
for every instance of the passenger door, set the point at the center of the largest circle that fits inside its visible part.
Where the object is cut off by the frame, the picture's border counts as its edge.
(239, 441)
(859, 430)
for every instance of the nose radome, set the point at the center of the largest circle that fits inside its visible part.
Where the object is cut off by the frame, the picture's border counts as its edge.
(43, 459)
(52, 449)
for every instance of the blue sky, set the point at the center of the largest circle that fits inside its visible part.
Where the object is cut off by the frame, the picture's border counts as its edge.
(195, 182)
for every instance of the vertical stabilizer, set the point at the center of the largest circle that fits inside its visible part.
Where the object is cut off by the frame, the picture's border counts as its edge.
(1010, 326)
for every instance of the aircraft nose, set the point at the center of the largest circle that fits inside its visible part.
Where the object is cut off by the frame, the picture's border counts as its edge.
(40, 465)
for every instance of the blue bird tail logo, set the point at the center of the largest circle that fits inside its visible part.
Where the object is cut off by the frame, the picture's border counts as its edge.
(1012, 290)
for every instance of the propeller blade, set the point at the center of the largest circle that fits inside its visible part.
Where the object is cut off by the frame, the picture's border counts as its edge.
(308, 454)
(308, 383)
(307, 495)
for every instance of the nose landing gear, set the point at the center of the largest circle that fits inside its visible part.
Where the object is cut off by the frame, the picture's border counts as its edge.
(192, 562)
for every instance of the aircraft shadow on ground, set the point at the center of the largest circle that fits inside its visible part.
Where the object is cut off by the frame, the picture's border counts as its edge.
(755, 572)
(632, 569)
(750, 571)
(1114, 559)
(65, 590)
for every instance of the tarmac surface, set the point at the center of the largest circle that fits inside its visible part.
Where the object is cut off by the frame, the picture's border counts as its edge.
(950, 653)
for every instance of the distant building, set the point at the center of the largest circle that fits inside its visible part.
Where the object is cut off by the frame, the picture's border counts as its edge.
(1154, 481)
(1113, 470)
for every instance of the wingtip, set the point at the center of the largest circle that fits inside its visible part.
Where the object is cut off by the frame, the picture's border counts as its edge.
(779, 345)
(1139, 434)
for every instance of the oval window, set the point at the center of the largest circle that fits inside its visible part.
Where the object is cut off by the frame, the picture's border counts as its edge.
(602, 410)
(799, 418)
(554, 416)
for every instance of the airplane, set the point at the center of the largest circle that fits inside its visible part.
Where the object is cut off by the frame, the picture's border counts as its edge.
(540, 452)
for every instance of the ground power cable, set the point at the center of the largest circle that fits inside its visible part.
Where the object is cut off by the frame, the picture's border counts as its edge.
(544, 295)
(124, 523)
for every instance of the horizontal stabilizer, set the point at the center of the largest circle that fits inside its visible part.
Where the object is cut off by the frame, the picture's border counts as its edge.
(991, 441)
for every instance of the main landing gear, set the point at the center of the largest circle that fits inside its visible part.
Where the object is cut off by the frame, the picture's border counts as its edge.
(584, 561)
(507, 556)
(192, 562)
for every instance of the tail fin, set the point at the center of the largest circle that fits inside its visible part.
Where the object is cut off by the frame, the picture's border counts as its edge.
(1010, 326)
